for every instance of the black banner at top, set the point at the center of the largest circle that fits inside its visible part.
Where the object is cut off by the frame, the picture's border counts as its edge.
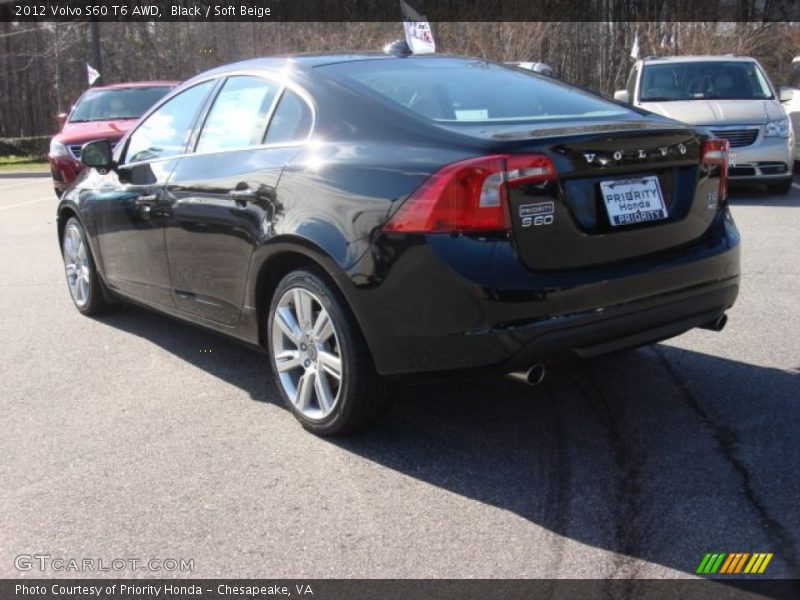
(779, 11)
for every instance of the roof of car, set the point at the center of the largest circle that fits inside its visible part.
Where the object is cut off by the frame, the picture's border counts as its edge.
(136, 84)
(306, 62)
(699, 58)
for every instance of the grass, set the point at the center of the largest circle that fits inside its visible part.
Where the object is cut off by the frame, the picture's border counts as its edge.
(10, 164)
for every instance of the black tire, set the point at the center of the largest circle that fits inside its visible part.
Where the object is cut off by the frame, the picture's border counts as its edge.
(784, 187)
(96, 303)
(362, 394)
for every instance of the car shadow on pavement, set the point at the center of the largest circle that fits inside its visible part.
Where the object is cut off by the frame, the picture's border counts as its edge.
(660, 454)
(237, 363)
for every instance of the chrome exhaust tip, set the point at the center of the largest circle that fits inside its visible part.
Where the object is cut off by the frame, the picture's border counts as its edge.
(717, 324)
(535, 375)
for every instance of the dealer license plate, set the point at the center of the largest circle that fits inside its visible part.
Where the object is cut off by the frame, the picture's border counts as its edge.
(630, 201)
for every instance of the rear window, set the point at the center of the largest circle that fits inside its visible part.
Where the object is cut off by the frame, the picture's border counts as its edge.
(451, 90)
(291, 121)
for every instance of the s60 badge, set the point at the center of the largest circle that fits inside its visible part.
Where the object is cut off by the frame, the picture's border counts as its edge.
(536, 215)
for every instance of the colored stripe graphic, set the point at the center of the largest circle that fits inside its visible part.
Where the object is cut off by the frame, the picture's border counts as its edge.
(735, 562)
(758, 563)
(740, 564)
(730, 564)
(710, 563)
(727, 564)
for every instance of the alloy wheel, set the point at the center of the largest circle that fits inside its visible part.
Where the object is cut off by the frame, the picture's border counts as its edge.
(307, 354)
(76, 265)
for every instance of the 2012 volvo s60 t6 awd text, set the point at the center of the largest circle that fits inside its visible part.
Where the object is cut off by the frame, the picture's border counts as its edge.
(365, 217)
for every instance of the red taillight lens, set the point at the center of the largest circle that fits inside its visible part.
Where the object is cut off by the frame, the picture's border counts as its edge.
(715, 152)
(470, 195)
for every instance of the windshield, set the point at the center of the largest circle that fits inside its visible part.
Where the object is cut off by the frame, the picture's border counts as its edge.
(121, 103)
(475, 91)
(718, 80)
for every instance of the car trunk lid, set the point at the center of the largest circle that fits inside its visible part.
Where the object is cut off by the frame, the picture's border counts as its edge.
(664, 199)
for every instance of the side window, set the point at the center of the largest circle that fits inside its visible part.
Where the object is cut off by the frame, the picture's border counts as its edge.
(291, 121)
(631, 85)
(166, 132)
(239, 114)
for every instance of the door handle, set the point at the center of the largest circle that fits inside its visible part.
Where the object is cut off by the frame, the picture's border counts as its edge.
(147, 200)
(243, 196)
(147, 205)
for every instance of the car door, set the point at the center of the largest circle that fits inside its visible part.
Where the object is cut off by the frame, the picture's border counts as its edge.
(223, 195)
(130, 207)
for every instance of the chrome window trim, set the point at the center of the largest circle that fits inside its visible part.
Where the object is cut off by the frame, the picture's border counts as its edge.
(282, 82)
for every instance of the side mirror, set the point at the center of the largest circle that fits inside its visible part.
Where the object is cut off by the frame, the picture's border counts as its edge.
(786, 94)
(97, 154)
(62, 118)
(622, 96)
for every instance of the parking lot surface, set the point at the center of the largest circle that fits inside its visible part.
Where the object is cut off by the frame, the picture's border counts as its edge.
(135, 436)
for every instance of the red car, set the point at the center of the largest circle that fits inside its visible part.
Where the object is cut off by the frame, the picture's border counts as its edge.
(105, 112)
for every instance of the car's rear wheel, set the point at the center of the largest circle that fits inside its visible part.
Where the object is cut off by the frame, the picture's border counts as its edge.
(321, 363)
(784, 187)
(82, 279)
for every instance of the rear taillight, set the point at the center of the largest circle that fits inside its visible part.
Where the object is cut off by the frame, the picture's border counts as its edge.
(470, 195)
(715, 152)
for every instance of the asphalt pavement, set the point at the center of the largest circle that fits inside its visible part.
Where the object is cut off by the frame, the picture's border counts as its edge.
(134, 436)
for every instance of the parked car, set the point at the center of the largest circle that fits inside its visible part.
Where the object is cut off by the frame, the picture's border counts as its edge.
(733, 98)
(790, 98)
(365, 217)
(100, 113)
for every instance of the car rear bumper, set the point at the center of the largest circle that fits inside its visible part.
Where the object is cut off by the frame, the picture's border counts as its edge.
(467, 305)
(615, 328)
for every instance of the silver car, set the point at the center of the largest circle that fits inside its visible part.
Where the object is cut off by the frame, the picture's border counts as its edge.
(733, 98)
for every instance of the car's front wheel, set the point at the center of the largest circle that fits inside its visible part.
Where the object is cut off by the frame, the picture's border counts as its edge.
(321, 363)
(82, 279)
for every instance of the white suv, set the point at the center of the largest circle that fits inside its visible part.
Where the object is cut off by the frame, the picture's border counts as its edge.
(733, 98)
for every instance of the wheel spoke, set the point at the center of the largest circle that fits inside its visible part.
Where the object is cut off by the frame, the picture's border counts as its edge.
(323, 328)
(72, 269)
(287, 360)
(302, 307)
(305, 390)
(284, 318)
(80, 295)
(332, 364)
(69, 248)
(75, 236)
(324, 395)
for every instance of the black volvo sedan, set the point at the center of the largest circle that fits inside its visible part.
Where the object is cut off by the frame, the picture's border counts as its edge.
(365, 217)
